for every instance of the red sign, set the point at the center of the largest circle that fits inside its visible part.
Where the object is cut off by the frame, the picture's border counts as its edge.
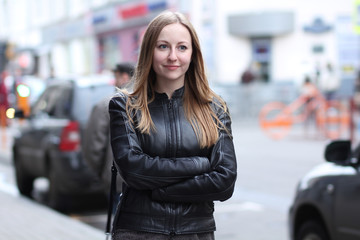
(133, 11)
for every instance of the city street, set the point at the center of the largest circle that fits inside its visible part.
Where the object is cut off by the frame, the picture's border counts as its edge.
(268, 172)
(289, 72)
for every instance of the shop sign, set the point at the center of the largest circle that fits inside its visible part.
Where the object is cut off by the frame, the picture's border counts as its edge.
(99, 19)
(102, 17)
(103, 20)
(135, 11)
(157, 6)
(318, 26)
(140, 10)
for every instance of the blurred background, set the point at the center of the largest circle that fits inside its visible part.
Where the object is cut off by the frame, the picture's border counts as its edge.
(281, 40)
(256, 52)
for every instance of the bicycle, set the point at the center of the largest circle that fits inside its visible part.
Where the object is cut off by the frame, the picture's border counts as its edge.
(332, 117)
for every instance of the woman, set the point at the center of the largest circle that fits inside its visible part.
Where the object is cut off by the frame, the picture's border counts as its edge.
(171, 139)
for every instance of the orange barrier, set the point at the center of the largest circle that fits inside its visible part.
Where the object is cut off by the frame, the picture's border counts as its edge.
(332, 117)
(274, 121)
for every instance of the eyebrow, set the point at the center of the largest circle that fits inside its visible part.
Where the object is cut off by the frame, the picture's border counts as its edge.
(181, 42)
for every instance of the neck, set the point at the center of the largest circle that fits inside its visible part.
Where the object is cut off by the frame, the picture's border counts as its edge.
(168, 87)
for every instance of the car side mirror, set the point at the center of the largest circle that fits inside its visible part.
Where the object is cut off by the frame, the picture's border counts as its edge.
(338, 151)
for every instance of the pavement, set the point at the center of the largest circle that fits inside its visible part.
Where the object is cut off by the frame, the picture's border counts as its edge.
(22, 218)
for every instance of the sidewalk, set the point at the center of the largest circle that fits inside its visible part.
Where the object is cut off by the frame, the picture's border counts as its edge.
(22, 218)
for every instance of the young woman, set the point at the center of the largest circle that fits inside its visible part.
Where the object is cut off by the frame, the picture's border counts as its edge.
(171, 139)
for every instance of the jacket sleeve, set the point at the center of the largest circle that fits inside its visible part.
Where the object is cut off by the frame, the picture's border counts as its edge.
(218, 184)
(96, 136)
(138, 169)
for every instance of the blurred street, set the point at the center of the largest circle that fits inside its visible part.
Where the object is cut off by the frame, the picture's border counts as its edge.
(268, 172)
(255, 53)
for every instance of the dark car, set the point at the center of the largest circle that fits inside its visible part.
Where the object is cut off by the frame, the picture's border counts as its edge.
(47, 144)
(327, 200)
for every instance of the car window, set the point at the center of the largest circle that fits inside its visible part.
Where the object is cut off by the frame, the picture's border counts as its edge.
(37, 87)
(55, 102)
(87, 97)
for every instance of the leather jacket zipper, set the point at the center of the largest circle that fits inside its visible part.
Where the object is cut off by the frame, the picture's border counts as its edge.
(172, 211)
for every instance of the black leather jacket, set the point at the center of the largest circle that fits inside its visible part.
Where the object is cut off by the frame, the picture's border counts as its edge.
(170, 182)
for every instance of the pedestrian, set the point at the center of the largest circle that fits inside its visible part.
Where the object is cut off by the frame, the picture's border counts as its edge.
(329, 82)
(247, 76)
(171, 139)
(96, 145)
(309, 93)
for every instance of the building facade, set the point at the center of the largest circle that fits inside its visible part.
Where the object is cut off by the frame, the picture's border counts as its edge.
(281, 40)
(285, 39)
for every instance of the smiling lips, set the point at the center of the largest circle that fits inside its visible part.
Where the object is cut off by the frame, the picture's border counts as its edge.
(171, 67)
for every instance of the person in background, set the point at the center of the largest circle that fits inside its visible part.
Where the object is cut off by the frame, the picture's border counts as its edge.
(309, 92)
(329, 82)
(247, 76)
(96, 144)
(171, 139)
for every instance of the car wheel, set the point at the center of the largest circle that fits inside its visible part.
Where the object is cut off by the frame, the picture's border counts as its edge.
(312, 230)
(24, 181)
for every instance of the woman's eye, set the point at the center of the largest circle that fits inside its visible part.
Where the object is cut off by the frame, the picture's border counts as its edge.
(162, 46)
(182, 48)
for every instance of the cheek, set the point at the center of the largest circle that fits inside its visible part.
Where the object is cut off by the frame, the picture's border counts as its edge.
(157, 57)
(186, 58)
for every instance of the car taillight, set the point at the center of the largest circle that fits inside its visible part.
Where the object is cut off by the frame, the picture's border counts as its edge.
(70, 137)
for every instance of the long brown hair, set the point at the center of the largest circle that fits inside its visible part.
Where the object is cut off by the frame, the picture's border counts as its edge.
(197, 93)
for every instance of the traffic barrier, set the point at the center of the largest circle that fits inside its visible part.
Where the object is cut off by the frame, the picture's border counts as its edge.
(332, 117)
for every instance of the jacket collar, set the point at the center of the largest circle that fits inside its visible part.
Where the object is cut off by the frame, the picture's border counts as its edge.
(178, 93)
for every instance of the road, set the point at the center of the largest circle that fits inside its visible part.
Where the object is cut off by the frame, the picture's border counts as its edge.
(268, 172)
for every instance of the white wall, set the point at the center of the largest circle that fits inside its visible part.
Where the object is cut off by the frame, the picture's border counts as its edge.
(292, 53)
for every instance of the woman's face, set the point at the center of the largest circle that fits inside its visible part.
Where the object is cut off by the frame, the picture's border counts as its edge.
(172, 54)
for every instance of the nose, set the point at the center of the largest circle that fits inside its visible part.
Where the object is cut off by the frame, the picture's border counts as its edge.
(172, 55)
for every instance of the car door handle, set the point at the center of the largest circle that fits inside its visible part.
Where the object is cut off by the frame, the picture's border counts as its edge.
(330, 188)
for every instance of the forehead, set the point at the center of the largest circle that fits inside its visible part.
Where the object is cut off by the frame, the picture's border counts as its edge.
(174, 31)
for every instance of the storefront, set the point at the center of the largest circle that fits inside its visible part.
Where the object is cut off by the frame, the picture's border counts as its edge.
(119, 30)
(260, 29)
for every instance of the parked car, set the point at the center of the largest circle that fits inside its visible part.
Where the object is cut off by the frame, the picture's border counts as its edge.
(327, 200)
(48, 142)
